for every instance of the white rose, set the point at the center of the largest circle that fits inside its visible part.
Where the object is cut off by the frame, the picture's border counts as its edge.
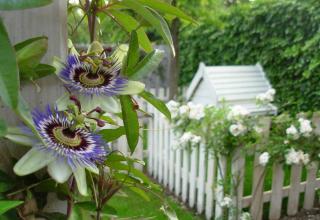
(237, 112)
(305, 158)
(245, 216)
(173, 107)
(292, 157)
(293, 132)
(305, 127)
(226, 202)
(195, 139)
(184, 109)
(196, 111)
(264, 158)
(237, 129)
(185, 138)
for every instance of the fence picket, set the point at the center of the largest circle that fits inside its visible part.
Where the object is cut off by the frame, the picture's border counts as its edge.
(166, 152)
(156, 144)
(150, 136)
(193, 176)
(178, 169)
(276, 196)
(311, 185)
(237, 169)
(171, 160)
(185, 174)
(257, 190)
(210, 184)
(161, 140)
(201, 178)
(294, 192)
(221, 174)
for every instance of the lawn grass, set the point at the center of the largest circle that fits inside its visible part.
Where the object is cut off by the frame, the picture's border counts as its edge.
(132, 206)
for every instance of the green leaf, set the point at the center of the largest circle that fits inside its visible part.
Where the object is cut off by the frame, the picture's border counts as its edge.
(3, 128)
(112, 134)
(133, 53)
(108, 210)
(6, 205)
(30, 53)
(152, 18)
(148, 64)
(129, 23)
(89, 206)
(22, 4)
(130, 120)
(166, 8)
(157, 103)
(140, 192)
(43, 70)
(9, 76)
(132, 88)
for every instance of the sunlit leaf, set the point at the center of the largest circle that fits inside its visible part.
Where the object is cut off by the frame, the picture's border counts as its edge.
(140, 192)
(133, 53)
(6, 205)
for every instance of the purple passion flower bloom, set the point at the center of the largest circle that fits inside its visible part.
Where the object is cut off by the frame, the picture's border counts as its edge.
(93, 79)
(63, 148)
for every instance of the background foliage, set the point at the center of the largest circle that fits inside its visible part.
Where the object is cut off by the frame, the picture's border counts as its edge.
(282, 35)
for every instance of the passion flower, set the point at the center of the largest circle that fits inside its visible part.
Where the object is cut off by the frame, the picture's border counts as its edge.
(93, 78)
(64, 148)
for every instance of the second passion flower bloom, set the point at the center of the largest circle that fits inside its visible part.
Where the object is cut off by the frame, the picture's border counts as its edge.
(64, 148)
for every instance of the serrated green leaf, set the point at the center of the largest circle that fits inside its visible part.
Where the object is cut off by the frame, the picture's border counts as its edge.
(157, 103)
(9, 76)
(22, 4)
(148, 64)
(112, 134)
(130, 120)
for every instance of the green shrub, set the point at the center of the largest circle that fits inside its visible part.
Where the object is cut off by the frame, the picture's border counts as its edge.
(284, 36)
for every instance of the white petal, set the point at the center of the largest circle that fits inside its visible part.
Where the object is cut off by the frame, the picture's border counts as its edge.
(108, 104)
(132, 88)
(21, 139)
(63, 102)
(93, 169)
(31, 162)
(80, 176)
(60, 171)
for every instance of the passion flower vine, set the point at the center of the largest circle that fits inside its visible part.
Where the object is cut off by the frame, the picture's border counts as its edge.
(64, 148)
(96, 78)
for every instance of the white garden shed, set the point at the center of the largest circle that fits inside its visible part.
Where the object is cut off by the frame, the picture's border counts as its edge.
(233, 85)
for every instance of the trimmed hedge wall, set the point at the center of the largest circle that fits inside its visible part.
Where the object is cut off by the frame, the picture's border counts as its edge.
(284, 36)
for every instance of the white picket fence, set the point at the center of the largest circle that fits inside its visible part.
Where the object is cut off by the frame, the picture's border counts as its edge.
(194, 176)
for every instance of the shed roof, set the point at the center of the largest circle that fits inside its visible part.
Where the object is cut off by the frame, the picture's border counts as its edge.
(233, 84)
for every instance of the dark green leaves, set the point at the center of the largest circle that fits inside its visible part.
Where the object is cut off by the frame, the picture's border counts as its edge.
(149, 63)
(29, 54)
(157, 103)
(130, 120)
(112, 134)
(133, 53)
(9, 77)
(22, 4)
(6, 205)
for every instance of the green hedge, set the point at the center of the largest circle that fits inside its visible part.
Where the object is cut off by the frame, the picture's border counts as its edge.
(284, 36)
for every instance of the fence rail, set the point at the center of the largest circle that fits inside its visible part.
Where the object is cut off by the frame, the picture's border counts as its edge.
(194, 176)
